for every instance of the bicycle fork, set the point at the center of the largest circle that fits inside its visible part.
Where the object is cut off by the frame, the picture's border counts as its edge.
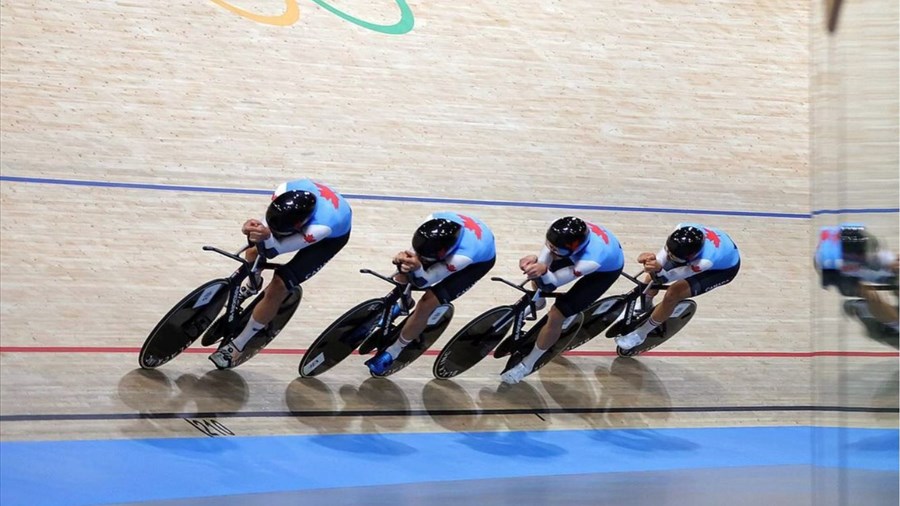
(233, 305)
(638, 293)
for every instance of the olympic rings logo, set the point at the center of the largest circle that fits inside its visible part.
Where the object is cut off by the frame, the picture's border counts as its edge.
(292, 13)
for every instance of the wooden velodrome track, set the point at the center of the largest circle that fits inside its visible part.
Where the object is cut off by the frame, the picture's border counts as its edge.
(131, 134)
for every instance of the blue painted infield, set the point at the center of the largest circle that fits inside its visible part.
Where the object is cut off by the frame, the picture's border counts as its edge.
(96, 472)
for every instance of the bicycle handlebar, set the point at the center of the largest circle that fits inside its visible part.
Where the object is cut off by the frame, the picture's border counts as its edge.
(259, 264)
(233, 256)
(382, 277)
(654, 283)
(631, 278)
(519, 286)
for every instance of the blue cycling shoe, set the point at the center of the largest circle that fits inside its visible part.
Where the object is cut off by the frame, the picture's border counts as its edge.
(379, 364)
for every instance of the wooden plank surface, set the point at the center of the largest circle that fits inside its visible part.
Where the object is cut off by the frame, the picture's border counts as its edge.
(676, 105)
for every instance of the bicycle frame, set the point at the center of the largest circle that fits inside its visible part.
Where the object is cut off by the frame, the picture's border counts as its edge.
(247, 269)
(526, 302)
(637, 292)
(400, 292)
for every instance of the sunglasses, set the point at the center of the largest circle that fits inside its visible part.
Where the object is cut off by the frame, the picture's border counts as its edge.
(560, 252)
(674, 258)
(298, 228)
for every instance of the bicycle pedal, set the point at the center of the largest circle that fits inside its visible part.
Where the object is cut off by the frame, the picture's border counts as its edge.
(625, 353)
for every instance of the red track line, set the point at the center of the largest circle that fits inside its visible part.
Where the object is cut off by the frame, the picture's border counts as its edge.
(289, 351)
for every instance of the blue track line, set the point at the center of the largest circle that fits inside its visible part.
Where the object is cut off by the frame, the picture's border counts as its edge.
(874, 210)
(400, 198)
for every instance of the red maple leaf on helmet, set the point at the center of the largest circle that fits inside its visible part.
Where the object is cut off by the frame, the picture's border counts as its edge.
(599, 231)
(309, 238)
(713, 237)
(327, 194)
(471, 224)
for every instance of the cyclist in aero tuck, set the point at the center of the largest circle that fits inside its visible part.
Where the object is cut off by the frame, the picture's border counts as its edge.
(450, 253)
(304, 216)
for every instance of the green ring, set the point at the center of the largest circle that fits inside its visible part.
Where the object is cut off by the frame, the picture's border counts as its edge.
(400, 27)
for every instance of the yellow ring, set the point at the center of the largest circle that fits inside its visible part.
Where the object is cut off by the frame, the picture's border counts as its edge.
(290, 15)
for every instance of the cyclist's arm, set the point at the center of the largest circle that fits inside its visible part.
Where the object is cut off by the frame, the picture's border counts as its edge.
(552, 280)
(676, 273)
(310, 235)
(423, 278)
(545, 256)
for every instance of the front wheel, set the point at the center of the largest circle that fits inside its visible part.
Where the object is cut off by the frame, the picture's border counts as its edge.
(343, 336)
(183, 324)
(473, 342)
(597, 317)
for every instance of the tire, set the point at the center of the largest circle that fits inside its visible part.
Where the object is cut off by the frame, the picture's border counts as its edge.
(339, 340)
(597, 317)
(475, 341)
(183, 324)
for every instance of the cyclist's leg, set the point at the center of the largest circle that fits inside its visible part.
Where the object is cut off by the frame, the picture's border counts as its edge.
(676, 292)
(445, 292)
(449, 289)
(305, 263)
(588, 289)
(582, 294)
